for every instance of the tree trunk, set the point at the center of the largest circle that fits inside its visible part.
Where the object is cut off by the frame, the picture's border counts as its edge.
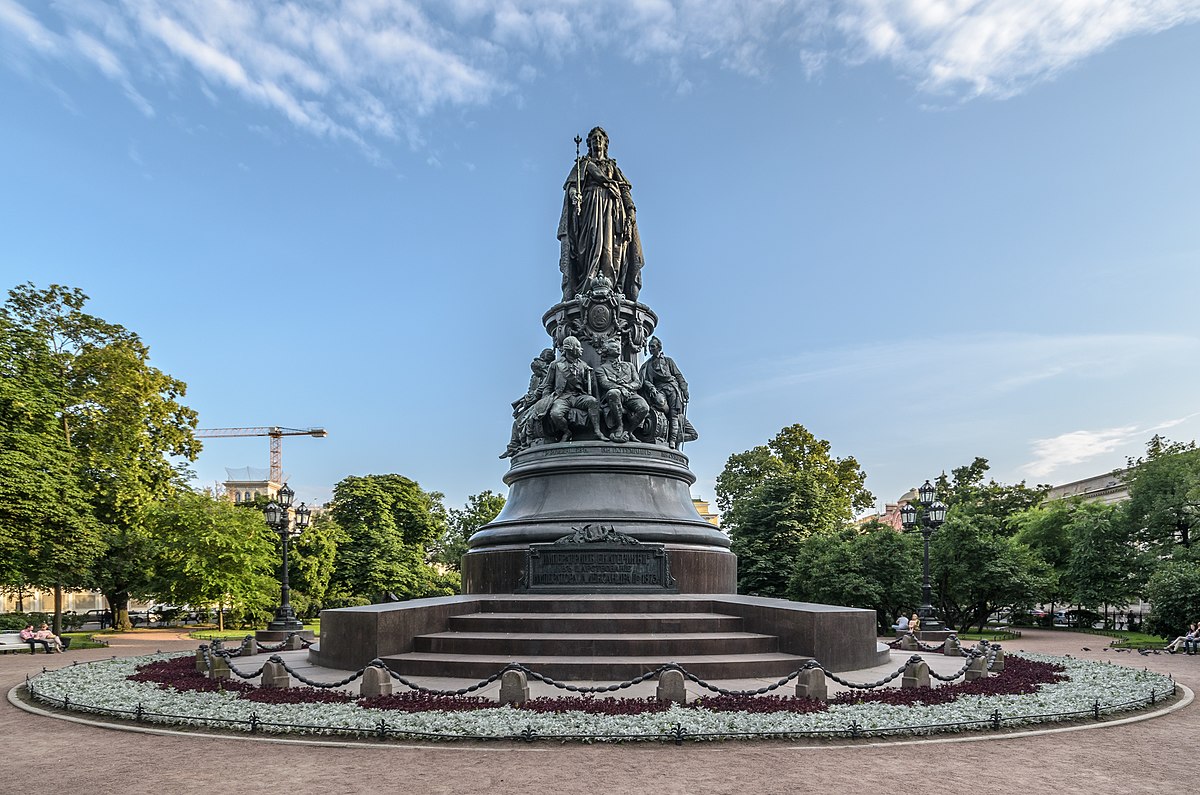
(118, 603)
(58, 608)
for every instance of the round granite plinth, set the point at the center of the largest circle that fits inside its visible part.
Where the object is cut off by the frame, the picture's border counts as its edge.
(640, 490)
(696, 569)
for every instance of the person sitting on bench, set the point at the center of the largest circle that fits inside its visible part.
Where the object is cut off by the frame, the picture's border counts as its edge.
(30, 636)
(46, 635)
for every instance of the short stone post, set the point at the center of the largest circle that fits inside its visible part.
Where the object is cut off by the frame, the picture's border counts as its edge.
(976, 669)
(220, 668)
(953, 647)
(249, 647)
(916, 674)
(201, 665)
(514, 688)
(275, 675)
(908, 642)
(670, 687)
(293, 643)
(998, 663)
(376, 681)
(811, 684)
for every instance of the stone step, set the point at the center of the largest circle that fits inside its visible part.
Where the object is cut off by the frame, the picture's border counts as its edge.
(595, 622)
(595, 669)
(662, 646)
(596, 603)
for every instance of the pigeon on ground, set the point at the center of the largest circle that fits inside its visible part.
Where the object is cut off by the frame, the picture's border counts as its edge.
(1144, 652)
(1085, 648)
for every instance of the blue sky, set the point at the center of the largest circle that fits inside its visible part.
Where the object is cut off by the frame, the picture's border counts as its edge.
(927, 231)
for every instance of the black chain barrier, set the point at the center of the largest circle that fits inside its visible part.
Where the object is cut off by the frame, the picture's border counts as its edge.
(941, 647)
(587, 690)
(675, 733)
(259, 646)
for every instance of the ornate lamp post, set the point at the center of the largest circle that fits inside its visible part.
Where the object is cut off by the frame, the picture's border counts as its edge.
(931, 516)
(279, 519)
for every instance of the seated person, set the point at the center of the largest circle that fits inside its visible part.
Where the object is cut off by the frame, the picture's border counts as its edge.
(1189, 641)
(31, 637)
(914, 624)
(46, 636)
(901, 624)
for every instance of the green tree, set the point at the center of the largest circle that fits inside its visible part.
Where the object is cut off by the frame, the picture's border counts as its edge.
(123, 421)
(312, 561)
(977, 568)
(965, 492)
(1164, 494)
(1106, 565)
(48, 537)
(388, 523)
(1174, 595)
(462, 523)
(1046, 530)
(772, 497)
(872, 567)
(212, 553)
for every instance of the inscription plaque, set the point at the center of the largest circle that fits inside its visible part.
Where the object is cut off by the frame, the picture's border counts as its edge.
(597, 568)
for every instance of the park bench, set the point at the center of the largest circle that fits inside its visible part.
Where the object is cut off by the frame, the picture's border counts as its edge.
(11, 641)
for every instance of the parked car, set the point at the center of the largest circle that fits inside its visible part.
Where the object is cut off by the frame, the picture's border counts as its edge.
(101, 617)
(1078, 618)
(1036, 613)
(142, 617)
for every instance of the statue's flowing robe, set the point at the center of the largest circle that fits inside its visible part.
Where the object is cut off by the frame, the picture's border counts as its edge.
(592, 241)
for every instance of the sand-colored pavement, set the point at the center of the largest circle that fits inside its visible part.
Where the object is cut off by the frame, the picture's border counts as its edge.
(1142, 756)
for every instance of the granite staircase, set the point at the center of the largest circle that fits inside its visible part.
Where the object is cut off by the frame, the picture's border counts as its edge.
(595, 638)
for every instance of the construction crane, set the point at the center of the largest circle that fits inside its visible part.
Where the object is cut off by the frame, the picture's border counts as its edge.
(275, 432)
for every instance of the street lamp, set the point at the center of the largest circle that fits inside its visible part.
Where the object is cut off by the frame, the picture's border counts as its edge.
(278, 516)
(929, 519)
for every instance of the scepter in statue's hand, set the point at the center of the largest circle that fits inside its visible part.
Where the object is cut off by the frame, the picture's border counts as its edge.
(577, 199)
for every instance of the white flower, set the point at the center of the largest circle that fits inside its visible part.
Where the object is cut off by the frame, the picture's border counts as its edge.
(103, 687)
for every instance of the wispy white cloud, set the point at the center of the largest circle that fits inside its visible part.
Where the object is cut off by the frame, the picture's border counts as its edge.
(998, 47)
(1076, 447)
(1067, 449)
(370, 70)
(976, 367)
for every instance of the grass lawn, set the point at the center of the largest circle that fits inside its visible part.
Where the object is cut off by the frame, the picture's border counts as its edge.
(212, 633)
(989, 635)
(1134, 640)
(83, 640)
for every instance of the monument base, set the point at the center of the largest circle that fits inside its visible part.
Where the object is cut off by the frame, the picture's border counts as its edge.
(696, 569)
(636, 490)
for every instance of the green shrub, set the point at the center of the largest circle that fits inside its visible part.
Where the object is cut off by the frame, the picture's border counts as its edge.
(11, 621)
(1174, 595)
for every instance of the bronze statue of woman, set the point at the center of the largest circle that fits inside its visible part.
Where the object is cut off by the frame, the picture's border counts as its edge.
(598, 227)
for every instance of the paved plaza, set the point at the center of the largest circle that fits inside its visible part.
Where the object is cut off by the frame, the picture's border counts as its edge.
(1135, 756)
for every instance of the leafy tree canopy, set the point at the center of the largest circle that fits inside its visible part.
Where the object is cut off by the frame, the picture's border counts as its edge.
(48, 535)
(120, 418)
(462, 523)
(977, 568)
(1174, 595)
(388, 521)
(1164, 494)
(871, 567)
(210, 552)
(774, 496)
(965, 492)
(313, 556)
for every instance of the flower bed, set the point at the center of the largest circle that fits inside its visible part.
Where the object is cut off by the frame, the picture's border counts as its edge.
(1031, 689)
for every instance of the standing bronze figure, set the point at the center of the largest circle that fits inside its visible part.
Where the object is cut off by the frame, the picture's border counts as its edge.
(597, 230)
